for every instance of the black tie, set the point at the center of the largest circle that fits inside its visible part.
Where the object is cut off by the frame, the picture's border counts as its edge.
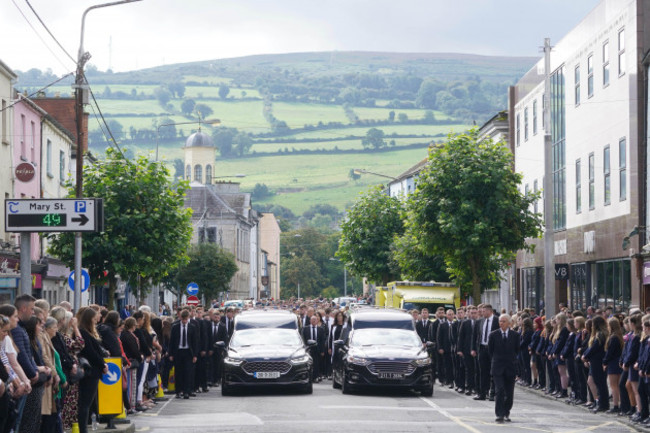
(313, 332)
(485, 333)
(184, 339)
(504, 335)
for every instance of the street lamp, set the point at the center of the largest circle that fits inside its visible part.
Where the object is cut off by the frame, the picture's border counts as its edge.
(345, 275)
(364, 171)
(213, 122)
(80, 96)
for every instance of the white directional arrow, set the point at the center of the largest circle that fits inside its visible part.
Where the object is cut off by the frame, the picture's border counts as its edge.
(112, 376)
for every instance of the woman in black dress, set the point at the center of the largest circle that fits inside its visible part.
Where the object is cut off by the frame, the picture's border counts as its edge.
(94, 353)
(612, 360)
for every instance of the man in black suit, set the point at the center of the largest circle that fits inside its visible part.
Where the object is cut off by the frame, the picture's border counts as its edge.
(464, 349)
(445, 347)
(183, 352)
(503, 347)
(422, 326)
(316, 333)
(438, 367)
(459, 365)
(486, 326)
(227, 326)
(213, 353)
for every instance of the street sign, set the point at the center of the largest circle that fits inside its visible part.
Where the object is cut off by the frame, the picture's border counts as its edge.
(109, 389)
(85, 280)
(54, 215)
(192, 289)
(192, 300)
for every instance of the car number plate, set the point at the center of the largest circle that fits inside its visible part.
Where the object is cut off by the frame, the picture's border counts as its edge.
(267, 374)
(391, 376)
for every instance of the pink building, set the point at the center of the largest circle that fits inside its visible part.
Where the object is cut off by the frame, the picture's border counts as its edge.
(26, 160)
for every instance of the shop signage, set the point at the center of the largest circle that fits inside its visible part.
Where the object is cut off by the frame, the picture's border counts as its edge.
(561, 271)
(25, 172)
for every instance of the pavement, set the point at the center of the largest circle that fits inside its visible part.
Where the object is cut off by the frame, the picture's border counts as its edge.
(384, 410)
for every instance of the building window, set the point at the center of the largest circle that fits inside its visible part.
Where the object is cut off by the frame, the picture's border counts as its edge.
(526, 124)
(576, 75)
(517, 132)
(535, 191)
(606, 64)
(32, 150)
(606, 172)
(48, 157)
(621, 52)
(61, 166)
(4, 121)
(207, 234)
(590, 76)
(188, 172)
(208, 174)
(592, 185)
(535, 117)
(622, 169)
(558, 140)
(578, 188)
(612, 284)
(198, 173)
(23, 145)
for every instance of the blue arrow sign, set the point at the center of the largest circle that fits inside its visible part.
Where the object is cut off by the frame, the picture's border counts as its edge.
(85, 280)
(192, 289)
(114, 374)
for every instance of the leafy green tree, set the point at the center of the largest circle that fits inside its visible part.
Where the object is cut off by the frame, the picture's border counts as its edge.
(323, 209)
(167, 132)
(224, 90)
(187, 106)
(179, 168)
(427, 93)
(468, 208)
(367, 233)
(391, 116)
(303, 270)
(403, 117)
(177, 88)
(147, 229)
(374, 138)
(204, 109)
(242, 143)
(353, 175)
(261, 191)
(162, 95)
(414, 263)
(223, 138)
(209, 266)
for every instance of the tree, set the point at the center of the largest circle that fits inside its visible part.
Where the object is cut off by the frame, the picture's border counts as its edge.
(403, 117)
(179, 168)
(374, 138)
(427, 93)
(367, 233)
(147, 229)
(414, 263)
(353, 175)
(162, 95)
(209, 266)
(242, 142)
(187, 106)
(177, 88)
(323, 209)
(302, 270)
(167, 132)
(468, 208)
(391, 116)
(260, 191)
(223, 138)
(223, 91)
(204, 110)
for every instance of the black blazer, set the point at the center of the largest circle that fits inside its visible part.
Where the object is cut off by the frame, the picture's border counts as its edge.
(443, 339)
(320, 337)
(62, 349)
(223, 335)
(109, 340)
(465, 337)
(192, 339)
(423, 329)
(130, 346)
(93, 352)
(503, 352)
(481, 328)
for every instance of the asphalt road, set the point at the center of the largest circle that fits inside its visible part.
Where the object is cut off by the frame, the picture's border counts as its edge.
(327, 410)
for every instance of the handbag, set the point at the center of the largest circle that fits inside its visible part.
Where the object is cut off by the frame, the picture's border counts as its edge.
(42, 378)
(84, 366)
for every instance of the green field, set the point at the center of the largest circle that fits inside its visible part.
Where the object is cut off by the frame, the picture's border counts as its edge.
(427, 130)
(298, 115)
(343, 144)
(244, 115)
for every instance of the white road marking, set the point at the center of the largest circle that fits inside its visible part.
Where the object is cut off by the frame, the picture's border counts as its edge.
(446, 414)
(401, 408)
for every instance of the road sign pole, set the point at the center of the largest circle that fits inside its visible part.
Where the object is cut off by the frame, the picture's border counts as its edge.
(26, 263)
(77, 271)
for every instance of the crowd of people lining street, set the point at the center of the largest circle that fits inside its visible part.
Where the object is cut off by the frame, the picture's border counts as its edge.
(52, 360)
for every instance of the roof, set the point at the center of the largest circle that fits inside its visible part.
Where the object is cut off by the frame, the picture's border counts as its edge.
(199, 139)
(411, 171)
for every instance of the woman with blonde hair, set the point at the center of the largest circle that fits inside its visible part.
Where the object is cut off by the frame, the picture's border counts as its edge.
(613, 351)
(559, 340)
(630, 357)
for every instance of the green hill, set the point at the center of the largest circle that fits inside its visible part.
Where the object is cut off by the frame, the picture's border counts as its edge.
(297, 122)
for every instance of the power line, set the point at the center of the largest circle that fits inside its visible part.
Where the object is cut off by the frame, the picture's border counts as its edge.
(50, 33)
(37, 34)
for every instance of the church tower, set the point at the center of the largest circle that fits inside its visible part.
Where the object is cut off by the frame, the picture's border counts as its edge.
(200, 155)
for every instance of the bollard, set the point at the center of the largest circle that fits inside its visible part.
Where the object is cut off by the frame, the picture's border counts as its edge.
(75, 428)
(160, 392)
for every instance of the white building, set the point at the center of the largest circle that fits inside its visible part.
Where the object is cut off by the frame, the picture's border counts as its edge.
(598, 122)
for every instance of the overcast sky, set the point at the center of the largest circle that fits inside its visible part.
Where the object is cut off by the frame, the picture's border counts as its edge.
(155, 32)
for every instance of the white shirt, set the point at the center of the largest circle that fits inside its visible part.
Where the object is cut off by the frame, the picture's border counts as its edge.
(8, 346)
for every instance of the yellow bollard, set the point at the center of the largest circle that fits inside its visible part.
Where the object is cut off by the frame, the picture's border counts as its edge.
(75, 428)
(171, 385)
(160, 392)
(123, 414)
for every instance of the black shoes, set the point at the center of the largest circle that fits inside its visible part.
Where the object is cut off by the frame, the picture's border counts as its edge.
(499, 420)
(507, 418)
(479, 397)
(186, 397)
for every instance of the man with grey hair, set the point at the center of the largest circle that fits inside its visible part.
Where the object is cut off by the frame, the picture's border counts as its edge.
(503, 347)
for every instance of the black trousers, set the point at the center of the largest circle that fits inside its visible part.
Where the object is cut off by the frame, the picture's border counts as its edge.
(484, 365)
(470, 372)
(504, 385)
(215, 367)
(625, 398)
(448, 361)
(541, 370)
(315, 355)
(459, 371)
(201, 372)
(184, 371)
(643, 396)
(87, 398)
(4, 411)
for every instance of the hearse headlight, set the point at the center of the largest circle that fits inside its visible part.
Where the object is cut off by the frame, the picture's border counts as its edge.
(230, 360)
(421, 362)
(300, 359)
(358, 360)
